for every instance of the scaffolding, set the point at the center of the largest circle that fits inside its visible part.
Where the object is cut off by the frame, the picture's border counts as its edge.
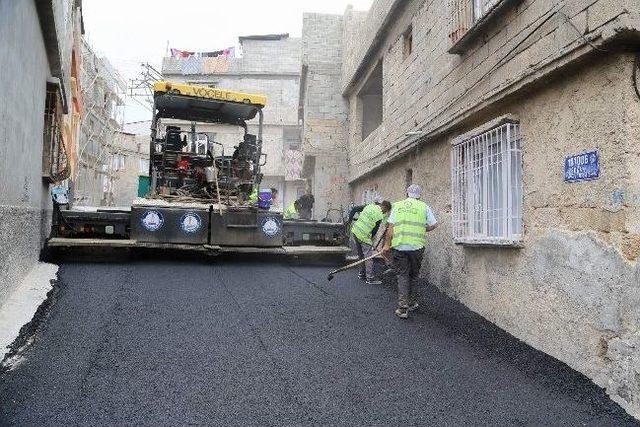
(103, 93)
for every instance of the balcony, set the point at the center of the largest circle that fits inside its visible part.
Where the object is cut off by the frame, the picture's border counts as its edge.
(468, 17)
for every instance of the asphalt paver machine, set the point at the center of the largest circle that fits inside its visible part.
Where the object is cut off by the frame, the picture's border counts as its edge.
(202, 192)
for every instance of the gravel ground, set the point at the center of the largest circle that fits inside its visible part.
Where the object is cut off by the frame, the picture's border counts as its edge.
(272, 343)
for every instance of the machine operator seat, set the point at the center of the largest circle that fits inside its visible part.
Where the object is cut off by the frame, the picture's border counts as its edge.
(174, 143)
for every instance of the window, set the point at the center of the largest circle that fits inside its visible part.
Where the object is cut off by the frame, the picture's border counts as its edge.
(481, 7)
(370, 99)
(487, 187)
(118, 162)
(144, 166)
(407, 43)
(465, 15)
(55, 164)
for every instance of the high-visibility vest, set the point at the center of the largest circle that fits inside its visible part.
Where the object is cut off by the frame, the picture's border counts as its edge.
(253, 197)
(410, 223)
(366, 222)
(291, 212)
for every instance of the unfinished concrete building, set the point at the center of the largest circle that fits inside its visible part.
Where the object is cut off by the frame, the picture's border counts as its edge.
(521, 119)
(103, 91)
(322, 111)
(269, 65)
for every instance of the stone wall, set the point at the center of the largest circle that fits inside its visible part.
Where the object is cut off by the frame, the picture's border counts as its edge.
(433, 91)
(573, 289)
(271, 57)
(324, 112)
(24, 199)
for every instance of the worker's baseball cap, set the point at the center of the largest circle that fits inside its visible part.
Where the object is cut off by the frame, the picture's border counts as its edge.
(377, 199)
(414, 191)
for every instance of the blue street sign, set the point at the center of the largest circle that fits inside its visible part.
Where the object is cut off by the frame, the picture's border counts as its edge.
(582, 167)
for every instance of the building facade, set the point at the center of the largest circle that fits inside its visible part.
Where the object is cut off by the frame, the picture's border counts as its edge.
(39, 108)
(103, 91)
(269, 65)
(128, 161)
(322, 111)
(521, 120)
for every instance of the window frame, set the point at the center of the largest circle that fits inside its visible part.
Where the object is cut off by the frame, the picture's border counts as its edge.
(487, 194)
(466, 23)
(55, 162)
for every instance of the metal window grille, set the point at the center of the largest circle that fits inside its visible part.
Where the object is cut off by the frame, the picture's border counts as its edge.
(55, 163)
(464, 13)
(481, 7)
(487, 187)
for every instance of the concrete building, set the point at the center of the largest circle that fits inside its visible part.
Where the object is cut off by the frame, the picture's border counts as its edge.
(39, 118)
(323, 113)
(129, 159)
(521, 119)
(269, 65)
(103, 91)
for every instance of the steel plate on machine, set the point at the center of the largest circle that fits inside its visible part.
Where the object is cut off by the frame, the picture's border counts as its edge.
(246, 228)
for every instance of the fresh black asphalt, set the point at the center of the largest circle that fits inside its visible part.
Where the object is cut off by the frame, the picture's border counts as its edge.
(272, 343)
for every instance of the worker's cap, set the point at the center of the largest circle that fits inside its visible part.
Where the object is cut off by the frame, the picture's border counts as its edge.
(414, 191)
(377, 199)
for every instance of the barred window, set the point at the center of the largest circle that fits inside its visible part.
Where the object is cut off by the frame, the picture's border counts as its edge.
(481, 7)
(55, 164)
(487, 187)
(465, 14)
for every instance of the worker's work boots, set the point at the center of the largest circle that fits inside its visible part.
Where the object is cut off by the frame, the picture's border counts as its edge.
(403, 312)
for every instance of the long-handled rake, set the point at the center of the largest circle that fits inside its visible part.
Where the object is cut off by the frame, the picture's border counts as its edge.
(348, 266)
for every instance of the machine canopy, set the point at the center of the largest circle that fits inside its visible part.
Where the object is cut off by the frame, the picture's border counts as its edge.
(205, 104)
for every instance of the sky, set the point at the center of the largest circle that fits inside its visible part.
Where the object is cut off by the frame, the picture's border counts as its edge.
(129, 32)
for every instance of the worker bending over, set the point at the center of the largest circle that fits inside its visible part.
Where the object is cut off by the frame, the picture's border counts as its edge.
(292, 211)
(408, 223)
(364, 230)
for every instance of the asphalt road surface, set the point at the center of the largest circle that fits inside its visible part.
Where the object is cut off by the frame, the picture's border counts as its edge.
(270, 343)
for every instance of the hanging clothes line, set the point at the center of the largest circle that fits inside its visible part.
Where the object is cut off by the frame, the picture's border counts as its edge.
(229, 52)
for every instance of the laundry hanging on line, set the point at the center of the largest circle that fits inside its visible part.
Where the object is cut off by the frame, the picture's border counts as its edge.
(229, 52)
(177, 53)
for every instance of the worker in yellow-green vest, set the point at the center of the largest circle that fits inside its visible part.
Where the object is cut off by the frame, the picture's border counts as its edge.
(408, 224)
(364, 230)
(253, 197)
(292, 211)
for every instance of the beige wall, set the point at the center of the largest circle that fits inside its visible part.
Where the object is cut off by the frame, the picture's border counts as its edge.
(573, 289)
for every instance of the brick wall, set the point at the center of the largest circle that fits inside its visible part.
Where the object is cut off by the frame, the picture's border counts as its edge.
(324, 111)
